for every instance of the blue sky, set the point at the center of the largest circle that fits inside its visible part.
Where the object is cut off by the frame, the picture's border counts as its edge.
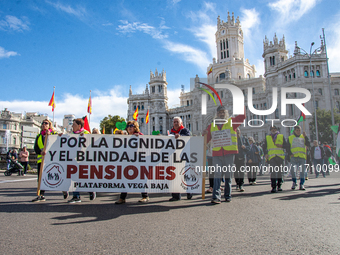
(106, 46)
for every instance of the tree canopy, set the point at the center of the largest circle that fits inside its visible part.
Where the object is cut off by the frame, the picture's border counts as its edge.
(109, 123)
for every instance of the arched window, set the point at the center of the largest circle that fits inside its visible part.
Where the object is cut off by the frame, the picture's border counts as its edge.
(317, 73)
(142, 120)
(336, 92)
(248, 76)
(142, 107)
(222, 76)
(306, 74)
(320, 91)
(134, 107)
(337, 104)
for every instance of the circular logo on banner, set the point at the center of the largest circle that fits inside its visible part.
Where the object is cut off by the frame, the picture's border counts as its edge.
(53, 177)
(189, 177)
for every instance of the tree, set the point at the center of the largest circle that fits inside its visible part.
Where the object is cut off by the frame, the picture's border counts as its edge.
(324, 119)
(110, 123)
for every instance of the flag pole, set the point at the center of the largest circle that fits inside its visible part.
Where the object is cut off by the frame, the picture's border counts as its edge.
(53, 103)
(90, 109)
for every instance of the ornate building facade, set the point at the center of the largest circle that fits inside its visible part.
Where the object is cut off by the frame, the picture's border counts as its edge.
(231, 67)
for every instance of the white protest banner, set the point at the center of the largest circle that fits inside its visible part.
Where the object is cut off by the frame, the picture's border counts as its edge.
(221, 138)
(122, 163)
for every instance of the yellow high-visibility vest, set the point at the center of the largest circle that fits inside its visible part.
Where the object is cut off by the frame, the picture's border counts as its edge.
(226, 131)
(297, 146)
(273, 150)
(41, 145)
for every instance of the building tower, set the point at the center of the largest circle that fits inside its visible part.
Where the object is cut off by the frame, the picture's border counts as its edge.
(230, 53)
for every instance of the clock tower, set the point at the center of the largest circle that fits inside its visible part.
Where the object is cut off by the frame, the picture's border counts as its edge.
(230, 53)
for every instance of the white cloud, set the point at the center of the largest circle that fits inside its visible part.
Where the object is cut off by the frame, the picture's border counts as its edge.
(250, 20)
(6, 54)
(103, 104)
(14, 23)
(173, 98)
(189, 54)
(132, 27)
(80, 12)
(291, 10)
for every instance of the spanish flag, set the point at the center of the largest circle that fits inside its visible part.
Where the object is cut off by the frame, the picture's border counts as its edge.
(103, 132)
(210, 71)
(135, 115)
(147, 117)
(89, 106)
(52, 103)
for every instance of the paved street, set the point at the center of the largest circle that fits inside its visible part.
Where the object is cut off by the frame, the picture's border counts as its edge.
(255, 222)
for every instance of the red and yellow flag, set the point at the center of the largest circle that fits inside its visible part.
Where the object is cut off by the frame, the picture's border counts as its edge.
(52, 103)
(147, 117)
(103, 130)
(135, 115)
(210, 71)
(89, 106)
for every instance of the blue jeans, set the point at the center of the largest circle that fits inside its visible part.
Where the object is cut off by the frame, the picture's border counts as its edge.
(220, 162)
(8, 164)
(318, 167)
(298, 164)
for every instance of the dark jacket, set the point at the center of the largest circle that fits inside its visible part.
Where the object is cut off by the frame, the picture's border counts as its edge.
(312, 150)
(242, 152)
(36, 147)
(251, 154)
(183, 132)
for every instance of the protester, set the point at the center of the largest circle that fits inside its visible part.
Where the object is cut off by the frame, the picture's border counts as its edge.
(24, 154)
(261, 159)
(328, 153)
(273, 149)
(133, 129)
(95, 131)
(317, 155)
(14, 155)
(225, 151)
(8, 159)
(46, 129)
(179, 130)
(298, 155)
(240, 160)
(78, 128)
(252, 161)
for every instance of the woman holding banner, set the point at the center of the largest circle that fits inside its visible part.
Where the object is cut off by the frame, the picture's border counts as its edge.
(132, 129)
(46, 129)
(78, 128)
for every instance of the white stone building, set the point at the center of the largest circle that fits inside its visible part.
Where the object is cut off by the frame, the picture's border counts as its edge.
(231, 67)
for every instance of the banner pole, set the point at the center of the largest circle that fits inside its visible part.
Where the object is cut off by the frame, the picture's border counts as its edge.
(204, 165)
(53, 104)
(41, 166)
(90, 109)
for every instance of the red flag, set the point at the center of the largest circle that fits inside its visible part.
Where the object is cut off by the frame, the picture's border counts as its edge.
(86, 124)
(147, 117)
(135, 115)
(52, 103)
(210, 71)
(89, 106)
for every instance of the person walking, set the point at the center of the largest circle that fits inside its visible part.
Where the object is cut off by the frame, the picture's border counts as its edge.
(24, 154)
(179, 130)
(298, 155)
(46, 129)
(133, 129)
(78, 128)
(328, 153)
(240, 160)
(317, 155)
(252, 161)
(222, 132)
(273, 149)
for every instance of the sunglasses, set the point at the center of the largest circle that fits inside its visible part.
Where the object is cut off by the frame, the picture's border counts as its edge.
(130, 125)
(45, 123)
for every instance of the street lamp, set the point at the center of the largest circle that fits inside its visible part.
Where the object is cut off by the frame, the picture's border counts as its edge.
(310, 73)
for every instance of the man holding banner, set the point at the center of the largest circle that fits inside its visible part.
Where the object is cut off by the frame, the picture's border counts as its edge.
(222, 132)
(78, 128)
(179, 130)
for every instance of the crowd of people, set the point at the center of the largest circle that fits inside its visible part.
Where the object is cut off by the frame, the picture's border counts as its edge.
(241, 152)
